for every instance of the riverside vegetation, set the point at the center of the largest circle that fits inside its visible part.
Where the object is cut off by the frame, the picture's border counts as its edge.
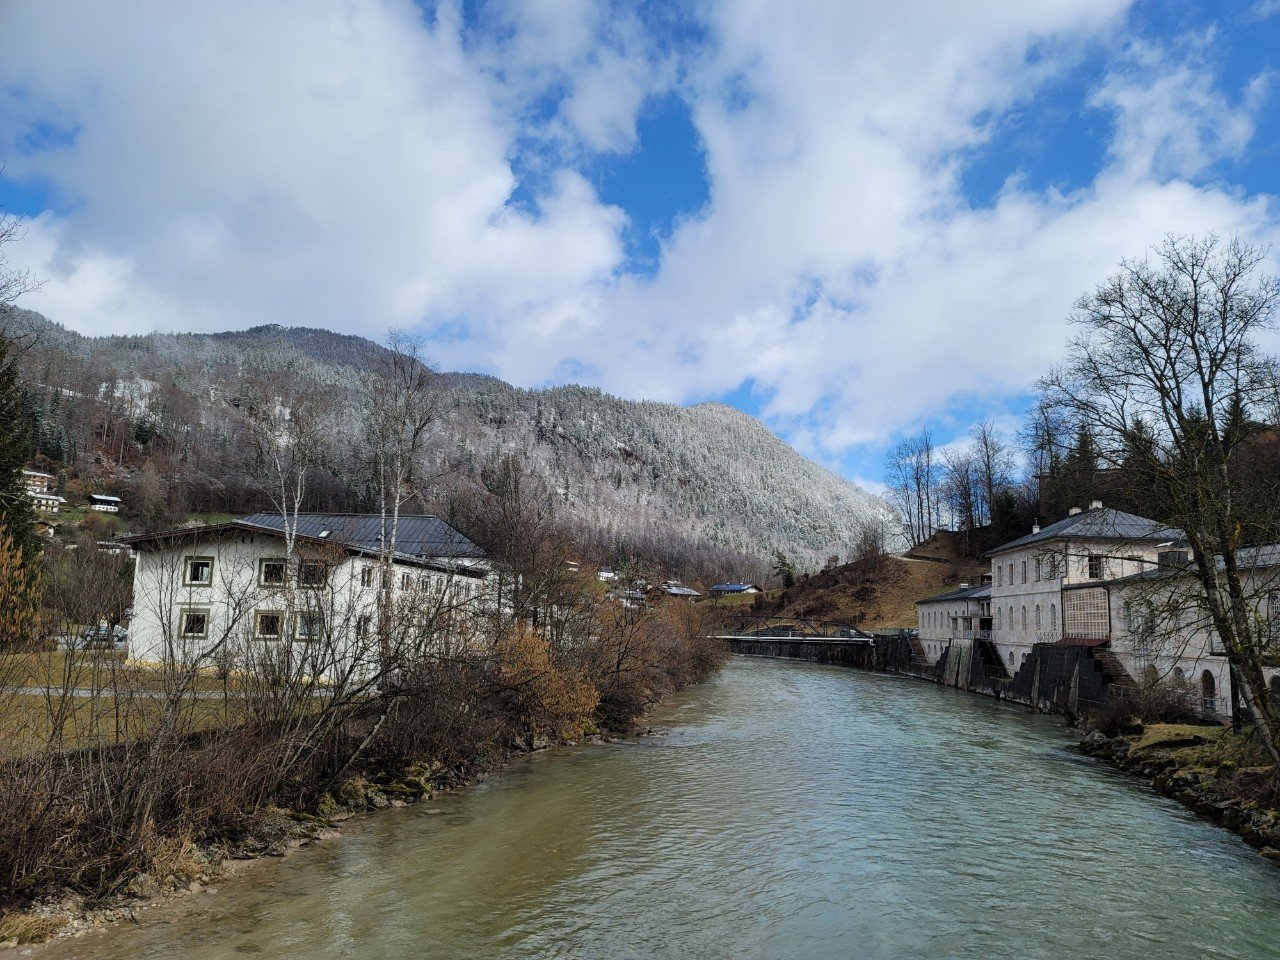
(118, 783)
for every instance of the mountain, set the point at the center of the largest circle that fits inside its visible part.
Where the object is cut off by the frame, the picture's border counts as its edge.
(631, 474)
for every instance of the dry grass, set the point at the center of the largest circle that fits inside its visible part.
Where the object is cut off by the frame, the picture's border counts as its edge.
(1199, 747)
(20, 928)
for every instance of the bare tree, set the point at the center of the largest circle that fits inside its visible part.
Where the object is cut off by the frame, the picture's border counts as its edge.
(1165, 375)
(914, 475)
(13, 282)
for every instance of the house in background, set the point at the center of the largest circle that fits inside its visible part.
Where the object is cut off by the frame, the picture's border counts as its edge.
(734, 589)
(104, 503)
(230, 590)
(673, 588)
(45, 502)
(37, 482)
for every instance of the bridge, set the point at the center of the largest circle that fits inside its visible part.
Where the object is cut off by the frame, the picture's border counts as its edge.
(818, 641)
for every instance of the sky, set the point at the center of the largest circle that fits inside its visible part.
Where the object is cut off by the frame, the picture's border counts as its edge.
(852, 220)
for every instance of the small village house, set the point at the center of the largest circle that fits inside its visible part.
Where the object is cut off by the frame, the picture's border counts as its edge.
(103, 503)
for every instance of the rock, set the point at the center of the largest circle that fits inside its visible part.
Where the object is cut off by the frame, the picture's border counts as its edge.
(195, 886)
(1093, 740)
(1271, 853)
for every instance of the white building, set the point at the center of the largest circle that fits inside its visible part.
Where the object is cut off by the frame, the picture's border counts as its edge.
(231, 592)
(103, 503)
(37, 482)
(1029, 576)
(47, 502)
(956, 617)
(1098, 578)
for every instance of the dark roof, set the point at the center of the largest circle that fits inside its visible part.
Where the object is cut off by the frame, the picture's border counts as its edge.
(1098, 524)
(416, 536)
(679, 590)
(980, 592)
(419, 539)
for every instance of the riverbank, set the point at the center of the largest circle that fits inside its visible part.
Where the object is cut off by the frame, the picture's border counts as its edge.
(271, 834)
(1222, 776)
(786, 810)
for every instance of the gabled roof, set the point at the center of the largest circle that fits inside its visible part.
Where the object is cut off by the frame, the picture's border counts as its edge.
(980, 592)
(680, 590)
(733, 587)
(1100, 523)
(420, 540)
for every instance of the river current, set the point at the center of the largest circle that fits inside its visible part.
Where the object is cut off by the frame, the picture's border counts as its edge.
(782, 810)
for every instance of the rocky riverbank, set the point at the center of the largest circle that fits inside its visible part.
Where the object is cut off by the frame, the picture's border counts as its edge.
(1218, 774)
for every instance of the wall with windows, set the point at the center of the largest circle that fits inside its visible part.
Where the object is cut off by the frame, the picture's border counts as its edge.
(229, 599)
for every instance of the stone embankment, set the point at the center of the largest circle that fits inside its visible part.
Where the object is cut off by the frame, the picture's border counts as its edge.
(1187, 766)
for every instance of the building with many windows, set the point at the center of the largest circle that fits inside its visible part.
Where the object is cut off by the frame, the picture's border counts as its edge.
(338, 588)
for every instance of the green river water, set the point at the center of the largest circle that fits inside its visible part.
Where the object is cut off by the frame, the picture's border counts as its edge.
(782, 810)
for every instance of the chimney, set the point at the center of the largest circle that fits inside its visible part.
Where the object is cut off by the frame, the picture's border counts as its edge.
(1095, 505)
(1073, 511)
(1035, 527)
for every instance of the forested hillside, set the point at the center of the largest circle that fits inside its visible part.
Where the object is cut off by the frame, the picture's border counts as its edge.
(161, 419)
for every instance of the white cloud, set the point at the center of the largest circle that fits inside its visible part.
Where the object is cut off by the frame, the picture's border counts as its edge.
(349, 165)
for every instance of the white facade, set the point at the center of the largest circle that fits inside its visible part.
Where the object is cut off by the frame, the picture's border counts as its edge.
(956, 617)
(1027, 582)
(230, 597)
(103, 503)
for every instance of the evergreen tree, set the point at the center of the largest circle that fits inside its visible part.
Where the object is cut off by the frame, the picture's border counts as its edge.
(16, 513)
(784, 571)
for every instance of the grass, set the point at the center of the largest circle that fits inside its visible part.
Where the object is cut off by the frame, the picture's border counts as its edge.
(1213, 747)
(90, 670)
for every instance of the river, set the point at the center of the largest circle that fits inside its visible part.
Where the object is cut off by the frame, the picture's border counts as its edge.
(782, 810)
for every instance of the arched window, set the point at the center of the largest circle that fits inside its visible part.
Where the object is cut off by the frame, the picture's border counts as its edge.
(999, 618)
(1011, 656)
(1208, 694)
(1024, 616)
(1178, 675)
(1053, 616)
(1037, 616)
(1024, 658)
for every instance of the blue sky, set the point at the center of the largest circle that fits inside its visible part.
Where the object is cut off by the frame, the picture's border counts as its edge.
(850, 220)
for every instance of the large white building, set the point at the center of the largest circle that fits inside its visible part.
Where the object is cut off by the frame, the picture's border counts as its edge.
(233, 593)
(1100, 578)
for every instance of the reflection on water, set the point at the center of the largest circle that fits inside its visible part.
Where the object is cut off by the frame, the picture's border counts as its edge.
(788, 810)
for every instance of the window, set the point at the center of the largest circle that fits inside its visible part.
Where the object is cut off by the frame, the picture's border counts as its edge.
(1096, 567)
(1011, 574)
(999, 575)
(1053, 566)
(406, 581)
(271, 573)
(367, 576)
(1024, 618)
(1037, 616)
(1010, 616)
(999, 618)
(1024, 571)
(194, 623)
(1039, 565)
(268, 624)
(1011, 656)
(198, 571)
(363, 622)
(1053, 616)
(310, 626)
(311, 574)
